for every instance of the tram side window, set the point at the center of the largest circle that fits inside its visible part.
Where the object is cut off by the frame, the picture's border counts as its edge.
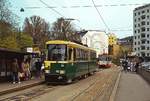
(77, 54)
(70, 53)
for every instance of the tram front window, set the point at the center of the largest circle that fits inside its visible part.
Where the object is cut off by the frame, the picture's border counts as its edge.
(57, 52)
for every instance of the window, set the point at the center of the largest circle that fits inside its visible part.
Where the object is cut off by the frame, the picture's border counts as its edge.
(138, 13)
(148, 42)
(143, 11)
(138, 48)
(134, 37)
(135, 43)
(147, 23)
(134, 14)
(135, 49)
(57, 52)
(138, 25)
(138, 19)
(147, 54)
(143, 17)
(138, 31)
(143, 54)
(147, 29)
(138, 42)
(148, 35)
(148, 17)
(143, 41)
(143, 23)
(135, 25)
(143, 35)
(142, 47)
(134, 20)
(135, 31)
(147, 10)
(143, 29)
(147, 48)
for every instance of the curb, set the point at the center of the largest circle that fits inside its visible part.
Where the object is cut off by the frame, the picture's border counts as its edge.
(113, 95)
(20, 88)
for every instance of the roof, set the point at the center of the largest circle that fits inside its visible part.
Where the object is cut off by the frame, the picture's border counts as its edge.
(68, 43)
(12, 51)
(141, 7)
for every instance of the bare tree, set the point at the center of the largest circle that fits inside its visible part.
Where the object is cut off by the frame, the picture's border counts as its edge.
(8, 21)
(63, 29)
(38, 28)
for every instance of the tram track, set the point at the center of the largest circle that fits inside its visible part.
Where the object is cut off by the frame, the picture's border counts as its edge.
(28, 95)
(43, 89)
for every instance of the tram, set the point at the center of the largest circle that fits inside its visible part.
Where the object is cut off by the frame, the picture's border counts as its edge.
(104, 61)
(67, 60)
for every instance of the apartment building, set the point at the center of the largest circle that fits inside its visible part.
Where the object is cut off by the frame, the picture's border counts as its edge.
(141, 26)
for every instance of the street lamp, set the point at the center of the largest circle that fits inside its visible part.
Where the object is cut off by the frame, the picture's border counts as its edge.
(21, 10)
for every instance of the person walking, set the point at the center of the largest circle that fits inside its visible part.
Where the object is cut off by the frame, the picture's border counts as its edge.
(27, 70)
(15, 71)
(136, 67)
(125, 65)
(38, 66)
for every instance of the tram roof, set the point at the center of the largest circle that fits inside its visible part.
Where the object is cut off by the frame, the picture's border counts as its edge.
(69, 43)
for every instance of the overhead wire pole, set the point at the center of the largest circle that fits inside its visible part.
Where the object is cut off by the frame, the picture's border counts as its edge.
(100, 16)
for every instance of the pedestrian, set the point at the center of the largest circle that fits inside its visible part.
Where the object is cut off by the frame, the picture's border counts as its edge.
(125, 65)
(38, 66)
(15, 71)
(136, 67)
(27, 70)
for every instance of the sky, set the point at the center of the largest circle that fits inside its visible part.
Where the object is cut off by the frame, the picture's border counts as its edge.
(119, 19)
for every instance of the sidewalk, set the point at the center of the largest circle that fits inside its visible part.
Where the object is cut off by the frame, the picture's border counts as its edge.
(132, 87)
(8, 87)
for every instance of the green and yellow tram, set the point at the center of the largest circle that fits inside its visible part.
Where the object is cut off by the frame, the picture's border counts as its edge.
(67, 60)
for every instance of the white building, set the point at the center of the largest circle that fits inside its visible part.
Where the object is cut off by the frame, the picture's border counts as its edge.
(141, 26)
(97, 40)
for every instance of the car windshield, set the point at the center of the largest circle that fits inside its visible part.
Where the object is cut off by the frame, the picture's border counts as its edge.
(56, 52)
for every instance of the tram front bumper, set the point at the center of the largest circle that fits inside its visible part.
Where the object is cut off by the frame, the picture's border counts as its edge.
(55, 78)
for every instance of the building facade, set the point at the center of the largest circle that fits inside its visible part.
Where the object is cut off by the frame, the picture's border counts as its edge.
(141, 26)
(97, 40)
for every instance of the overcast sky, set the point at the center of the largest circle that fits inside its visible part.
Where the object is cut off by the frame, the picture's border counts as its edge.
(115, 17)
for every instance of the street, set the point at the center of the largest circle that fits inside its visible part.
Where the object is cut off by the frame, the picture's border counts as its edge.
(87, 89)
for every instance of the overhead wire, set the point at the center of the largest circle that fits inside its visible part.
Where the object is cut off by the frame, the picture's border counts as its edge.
(101, 18)
(51, 8)
(88, 6)
(54, 10)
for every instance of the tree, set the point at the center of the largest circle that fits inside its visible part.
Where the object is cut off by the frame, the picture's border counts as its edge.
(63, 30)
(8, 21)
(38, 28)
(9, 42)
(24, 40)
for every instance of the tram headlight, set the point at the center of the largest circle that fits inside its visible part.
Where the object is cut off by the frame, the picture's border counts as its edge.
(47, 71)
(62, 72)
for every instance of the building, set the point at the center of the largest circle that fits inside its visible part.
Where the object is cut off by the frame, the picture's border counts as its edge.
(97, 40)
(112, 39)
(141, 26)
